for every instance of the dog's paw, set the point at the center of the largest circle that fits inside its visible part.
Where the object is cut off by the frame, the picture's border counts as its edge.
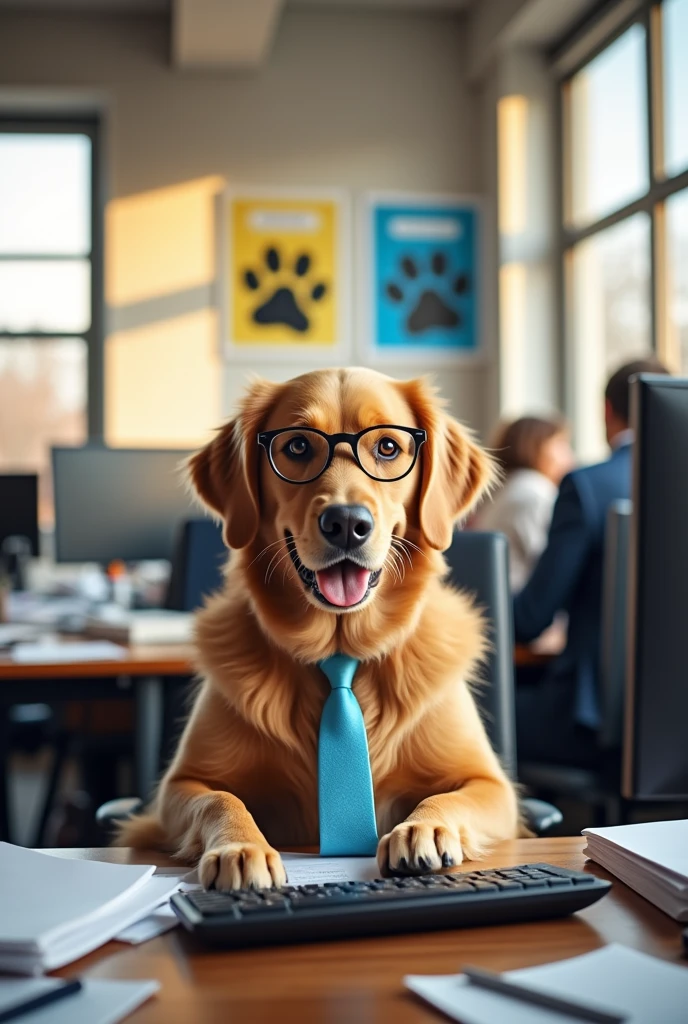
(241, 866)
(417, 848)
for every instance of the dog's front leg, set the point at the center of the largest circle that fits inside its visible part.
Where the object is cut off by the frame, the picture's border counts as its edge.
(236, 854)
(444, 830)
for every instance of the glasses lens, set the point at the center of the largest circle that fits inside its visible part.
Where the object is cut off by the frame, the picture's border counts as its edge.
(299, 455)
(387, 453)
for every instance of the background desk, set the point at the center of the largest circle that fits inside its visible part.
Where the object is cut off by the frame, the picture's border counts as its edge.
(140, 675)
(360, 982)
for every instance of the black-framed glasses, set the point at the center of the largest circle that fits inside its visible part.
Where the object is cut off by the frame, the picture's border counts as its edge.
(302, 454)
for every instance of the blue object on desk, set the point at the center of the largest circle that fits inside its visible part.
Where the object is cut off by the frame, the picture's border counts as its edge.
(38, 1000)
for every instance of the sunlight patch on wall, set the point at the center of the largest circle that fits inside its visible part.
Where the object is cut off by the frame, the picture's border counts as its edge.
(512, 125)
(160, 242)
(162, 383)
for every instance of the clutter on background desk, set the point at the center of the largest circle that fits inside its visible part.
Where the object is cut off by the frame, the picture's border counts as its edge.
(651, 857)
(149, 626)
(614, 981)
(53, 652)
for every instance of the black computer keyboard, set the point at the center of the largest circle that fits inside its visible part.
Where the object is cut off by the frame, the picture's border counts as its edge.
(337, 910)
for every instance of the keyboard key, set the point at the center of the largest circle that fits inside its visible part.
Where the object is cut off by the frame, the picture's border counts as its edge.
(261, 909)
(559, 882)
(315, 902)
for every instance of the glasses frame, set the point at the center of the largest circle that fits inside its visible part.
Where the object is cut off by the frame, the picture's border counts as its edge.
(266, 437)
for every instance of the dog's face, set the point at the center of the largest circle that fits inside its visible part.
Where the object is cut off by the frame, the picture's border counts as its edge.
(355, 524)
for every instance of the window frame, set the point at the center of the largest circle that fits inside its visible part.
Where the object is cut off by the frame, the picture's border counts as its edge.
(587, 41)
(95, 335)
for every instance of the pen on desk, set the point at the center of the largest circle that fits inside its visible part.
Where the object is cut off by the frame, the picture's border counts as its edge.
(496, 983)
(70, 988)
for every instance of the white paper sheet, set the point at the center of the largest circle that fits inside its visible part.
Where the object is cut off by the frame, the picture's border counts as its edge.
(615, 978)
(63, 892)
(98, 1002)
(309, 869)
(160, 921)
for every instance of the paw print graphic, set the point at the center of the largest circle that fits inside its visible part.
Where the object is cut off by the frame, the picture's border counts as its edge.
(284, 294)
(430, 296)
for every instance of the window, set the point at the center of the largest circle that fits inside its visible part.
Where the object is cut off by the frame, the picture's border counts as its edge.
(677, 275)
(625, 207)
(50, 293)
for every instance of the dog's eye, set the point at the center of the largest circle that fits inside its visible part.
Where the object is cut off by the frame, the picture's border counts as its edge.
(297, 448)
(387, 448)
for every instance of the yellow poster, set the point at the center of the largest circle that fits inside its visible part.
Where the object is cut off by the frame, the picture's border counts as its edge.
(284, 273)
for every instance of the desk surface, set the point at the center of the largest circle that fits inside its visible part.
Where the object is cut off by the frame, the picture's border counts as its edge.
(162, 660)
(361, 981)
(148, 660)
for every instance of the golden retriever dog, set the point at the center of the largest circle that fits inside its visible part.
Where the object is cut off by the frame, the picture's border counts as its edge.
(346, 561)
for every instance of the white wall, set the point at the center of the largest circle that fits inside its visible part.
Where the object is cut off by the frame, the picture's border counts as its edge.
(357, 99)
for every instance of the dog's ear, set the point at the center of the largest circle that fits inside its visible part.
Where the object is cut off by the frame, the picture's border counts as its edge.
(225, 472)
(455, 470)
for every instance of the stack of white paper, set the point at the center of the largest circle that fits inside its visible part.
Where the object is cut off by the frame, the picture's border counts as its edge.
(615, 980)
(651, 858)
(56, 910)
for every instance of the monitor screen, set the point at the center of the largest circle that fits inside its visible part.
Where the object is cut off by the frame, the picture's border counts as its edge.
(19, 508)
(117, 503)
(656, 736)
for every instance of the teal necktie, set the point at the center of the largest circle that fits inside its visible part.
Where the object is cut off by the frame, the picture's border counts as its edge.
(345, 784)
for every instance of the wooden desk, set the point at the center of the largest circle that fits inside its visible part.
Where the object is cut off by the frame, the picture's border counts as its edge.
(360, 982)
(168, 660)
(139, 676)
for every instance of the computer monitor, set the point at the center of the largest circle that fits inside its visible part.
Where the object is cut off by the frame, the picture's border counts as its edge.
(19, 508)
(117, 503)
(655, 762)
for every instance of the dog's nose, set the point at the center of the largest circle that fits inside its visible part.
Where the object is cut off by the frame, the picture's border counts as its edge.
(346, 526)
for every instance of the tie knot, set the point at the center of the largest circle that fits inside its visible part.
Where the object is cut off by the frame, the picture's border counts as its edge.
(340, 670)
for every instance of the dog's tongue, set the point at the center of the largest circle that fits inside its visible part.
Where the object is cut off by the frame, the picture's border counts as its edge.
(344, 584)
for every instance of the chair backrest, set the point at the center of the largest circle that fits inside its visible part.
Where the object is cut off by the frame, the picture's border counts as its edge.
(197, 564)
(479, 565)
(614, 617)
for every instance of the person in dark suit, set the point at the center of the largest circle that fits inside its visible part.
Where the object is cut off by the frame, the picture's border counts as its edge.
(558, 716)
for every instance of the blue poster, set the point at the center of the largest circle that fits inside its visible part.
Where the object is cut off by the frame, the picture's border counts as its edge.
(425, 271)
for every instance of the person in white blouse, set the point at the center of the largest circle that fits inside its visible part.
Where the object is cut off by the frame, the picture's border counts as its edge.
(535, 455)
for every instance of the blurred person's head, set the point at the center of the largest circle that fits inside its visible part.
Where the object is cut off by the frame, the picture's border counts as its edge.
(535, 442)
(617, 395)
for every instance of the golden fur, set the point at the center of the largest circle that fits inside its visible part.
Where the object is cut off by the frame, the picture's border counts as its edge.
(244, 779)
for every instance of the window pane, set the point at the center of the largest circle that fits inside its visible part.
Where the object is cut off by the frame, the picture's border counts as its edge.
(42, 403)
(677, 235)
(608, 130)
(675, 30)
(45, 194)
(45, 295)
(610, 318)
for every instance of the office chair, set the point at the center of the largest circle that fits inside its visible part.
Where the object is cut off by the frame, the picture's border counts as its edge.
(601, 788)
(197, 563)
(478, 565)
